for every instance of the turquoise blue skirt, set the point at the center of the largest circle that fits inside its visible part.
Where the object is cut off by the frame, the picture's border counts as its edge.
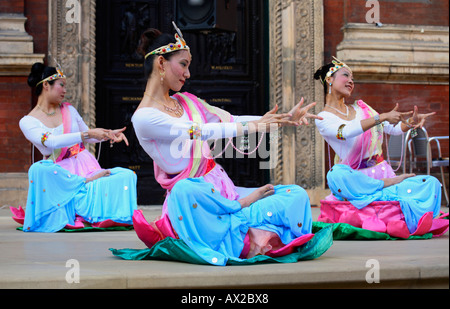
(215, 227)
(55, 197)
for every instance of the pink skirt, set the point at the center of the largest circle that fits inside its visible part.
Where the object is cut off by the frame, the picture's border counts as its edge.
(83, 164)
(383, 216)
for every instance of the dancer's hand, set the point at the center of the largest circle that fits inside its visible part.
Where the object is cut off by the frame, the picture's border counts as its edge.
(418, 120)
(396, 180)
(272, 120)
(100, 134)
(119, 137)
(394, 116)
(300, 114)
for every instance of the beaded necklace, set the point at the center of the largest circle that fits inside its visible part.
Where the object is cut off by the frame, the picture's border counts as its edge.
(177, 110)
(346, 115)
(48, 114)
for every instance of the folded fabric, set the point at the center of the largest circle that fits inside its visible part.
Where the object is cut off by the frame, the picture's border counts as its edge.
(381, 216)
(171, 249)
(344, 231)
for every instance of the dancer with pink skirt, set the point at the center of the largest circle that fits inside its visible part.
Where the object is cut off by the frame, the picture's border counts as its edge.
(366, 192)
(69, 189)
(216, 219)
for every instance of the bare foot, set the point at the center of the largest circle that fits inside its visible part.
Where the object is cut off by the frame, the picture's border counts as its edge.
(103, 173)
(396, 180)
(256, 195)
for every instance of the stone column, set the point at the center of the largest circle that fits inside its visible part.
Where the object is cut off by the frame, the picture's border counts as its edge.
(296, 51)
(16, 46)
(72, 45)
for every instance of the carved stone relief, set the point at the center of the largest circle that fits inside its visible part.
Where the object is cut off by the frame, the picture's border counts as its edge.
(296, 30)
(72, 45)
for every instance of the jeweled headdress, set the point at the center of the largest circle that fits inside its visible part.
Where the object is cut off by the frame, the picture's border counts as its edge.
(180, 44)
(338, 64)
(59, 74)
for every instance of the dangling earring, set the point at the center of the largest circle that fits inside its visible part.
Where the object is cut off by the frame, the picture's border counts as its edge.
(162, 74)
(330, 88)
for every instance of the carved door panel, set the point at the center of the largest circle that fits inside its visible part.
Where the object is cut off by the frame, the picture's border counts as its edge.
(227, 71)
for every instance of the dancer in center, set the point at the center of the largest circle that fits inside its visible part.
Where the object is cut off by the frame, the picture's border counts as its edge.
(203, 207)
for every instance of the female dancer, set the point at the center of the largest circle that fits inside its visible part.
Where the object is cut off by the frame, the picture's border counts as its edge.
(203, 207)
(361, 175)
(69, 186)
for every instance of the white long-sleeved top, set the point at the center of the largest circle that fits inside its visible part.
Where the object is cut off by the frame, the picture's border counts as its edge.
(329, 126)
(167, 139)
(33, 129)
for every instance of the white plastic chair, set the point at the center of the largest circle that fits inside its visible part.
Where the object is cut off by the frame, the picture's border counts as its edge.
(394, 151)
(419, 147)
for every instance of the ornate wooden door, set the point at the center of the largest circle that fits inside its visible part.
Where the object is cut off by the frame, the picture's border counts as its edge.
(228, 71)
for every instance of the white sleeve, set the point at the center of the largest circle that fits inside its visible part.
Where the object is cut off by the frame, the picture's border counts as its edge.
(210, 117)
(393, 130)
(246, 118)
(34, 132)
(331, 125)
(237, 119)
(82, 127)
(154, 126)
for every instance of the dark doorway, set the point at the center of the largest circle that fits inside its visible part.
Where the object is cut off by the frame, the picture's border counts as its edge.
(228, 71)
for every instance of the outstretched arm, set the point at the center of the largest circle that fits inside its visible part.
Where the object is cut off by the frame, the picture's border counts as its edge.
(393, 117)
(300, 114)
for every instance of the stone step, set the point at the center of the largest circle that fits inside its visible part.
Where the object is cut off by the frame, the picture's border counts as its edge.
(13, 189)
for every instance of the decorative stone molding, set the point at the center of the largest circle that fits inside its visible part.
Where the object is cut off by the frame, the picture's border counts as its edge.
(396, 53)
(72, 45)
(16, 46)
(296, 47)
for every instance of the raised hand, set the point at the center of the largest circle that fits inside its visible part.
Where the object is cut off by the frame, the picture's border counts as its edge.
(394, 116)
(100, 134)
(118, 136)
(272, 119)
(300, 114)
(418, 120)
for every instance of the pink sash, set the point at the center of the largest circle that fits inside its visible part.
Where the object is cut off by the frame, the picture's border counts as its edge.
(151, 233)
(364, 142)
(67, 123)
(67, 152)
(196, 110)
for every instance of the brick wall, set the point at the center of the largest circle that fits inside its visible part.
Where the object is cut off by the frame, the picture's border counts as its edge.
(416, 12)
(14, 104)
(16, 98)
(429, 98)
(37, 24)
(12, 6)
